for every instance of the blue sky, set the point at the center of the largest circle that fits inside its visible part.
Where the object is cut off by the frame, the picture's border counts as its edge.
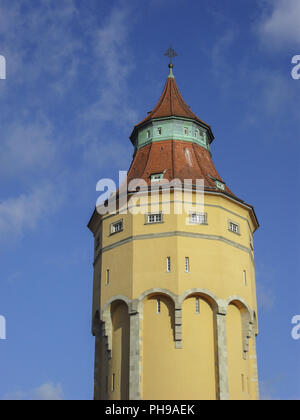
(79, 76)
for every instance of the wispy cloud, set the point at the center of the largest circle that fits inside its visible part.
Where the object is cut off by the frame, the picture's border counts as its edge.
(114, 61)
(45, 392)
(20, 213)
(280, 26)
(114, 57)
(265, 297)
(46, 52)
(26, 147)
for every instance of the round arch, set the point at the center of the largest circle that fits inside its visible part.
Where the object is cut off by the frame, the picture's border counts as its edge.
(210, 297)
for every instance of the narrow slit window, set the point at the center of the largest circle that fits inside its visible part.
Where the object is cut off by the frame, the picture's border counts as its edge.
(187, 264)
(107, 277)
(106, 383)
(168, 264)
(158, 303)
(113, 382)
(245, 277)
(197, 305)
(251, 244)
(148, 134)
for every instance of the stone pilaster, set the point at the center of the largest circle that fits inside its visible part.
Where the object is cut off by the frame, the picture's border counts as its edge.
(223, 385)
(178, 327)
(135, 365)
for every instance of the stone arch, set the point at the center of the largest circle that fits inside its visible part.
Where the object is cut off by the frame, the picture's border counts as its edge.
(115, 298)
(177, 322)
(107, 322)
(158, 349)
(247, 319)
(119, 366)
(158, 291)
(216, 307)
(207, 295)
(240, 302)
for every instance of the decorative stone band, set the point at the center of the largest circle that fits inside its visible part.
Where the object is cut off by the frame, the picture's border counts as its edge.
(176, 233)
(135, 309)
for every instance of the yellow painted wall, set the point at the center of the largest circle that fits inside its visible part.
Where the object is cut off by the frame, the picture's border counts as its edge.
(215, 265)
(187, 373)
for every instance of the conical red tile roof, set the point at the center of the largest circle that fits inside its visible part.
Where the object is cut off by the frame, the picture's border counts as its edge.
(171, 103)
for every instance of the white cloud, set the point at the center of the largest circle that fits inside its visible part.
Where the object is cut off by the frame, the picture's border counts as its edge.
(114, 62)
(25, 211)
(46, 392)
(26, 147)
(280, 26)
(110, 43)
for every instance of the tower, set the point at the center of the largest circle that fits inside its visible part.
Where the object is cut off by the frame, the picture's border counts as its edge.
(174, 297)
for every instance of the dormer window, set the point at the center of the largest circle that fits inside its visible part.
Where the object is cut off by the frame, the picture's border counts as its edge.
(220, 185)
(159, 131)
(157, 177)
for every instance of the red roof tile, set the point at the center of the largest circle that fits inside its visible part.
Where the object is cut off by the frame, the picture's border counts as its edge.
(171, 103)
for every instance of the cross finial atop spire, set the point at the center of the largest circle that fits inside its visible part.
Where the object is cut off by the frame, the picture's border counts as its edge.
(171, 53)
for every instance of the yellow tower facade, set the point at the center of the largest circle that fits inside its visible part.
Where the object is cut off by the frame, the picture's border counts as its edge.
(174, 302)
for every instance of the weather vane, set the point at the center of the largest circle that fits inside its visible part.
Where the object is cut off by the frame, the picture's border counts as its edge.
(171, 53)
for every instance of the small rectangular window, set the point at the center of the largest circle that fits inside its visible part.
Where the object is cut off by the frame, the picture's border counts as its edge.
(198, 218)
(158, 306)
(106, 384)
(148, 134)
(187, 264)
(107, 279)
(234, 227)
(154, 218)
(157, 177)
(197, 305)
(159, 131)
(186, 131)
(116, 227)
(168, 264)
